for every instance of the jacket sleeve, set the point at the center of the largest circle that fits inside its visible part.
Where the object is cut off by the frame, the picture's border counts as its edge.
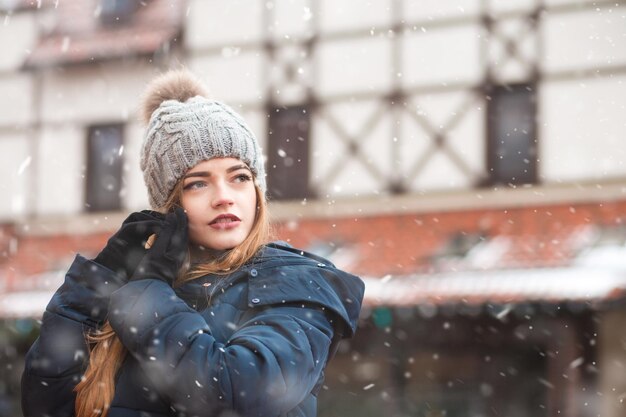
(56, 360)
(266, 368)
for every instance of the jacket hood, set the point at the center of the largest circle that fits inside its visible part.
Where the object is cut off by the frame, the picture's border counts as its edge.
(300, 276)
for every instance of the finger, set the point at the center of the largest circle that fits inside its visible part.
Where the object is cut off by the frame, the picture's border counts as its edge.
(180, 212)
(141, 229)
(136, 216)
(179, 240)
(182, 221)
(150, 241)
(164, 236)
(153, 214)
(143, 216)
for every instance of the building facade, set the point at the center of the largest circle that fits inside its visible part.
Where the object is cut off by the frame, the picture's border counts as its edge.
(404, 140)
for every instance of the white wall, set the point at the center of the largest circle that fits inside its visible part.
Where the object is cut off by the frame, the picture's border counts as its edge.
(583, 121)
(233, 78)
(16, 105)
(585, 39)
(515, 67)
(293, 19)
(340, 16)
(74, 99)
(61, 170)
(292, 90)
(18, 35)
(104, 93)
(429, 10)
(466, 140)
(217, 23)
(329, 149)
(258, 124)
(502, 6)
(134, 193)
(442, 55)
(583, 130)
(353, 65)
(15, 173)
(395, 157)
(580, 119)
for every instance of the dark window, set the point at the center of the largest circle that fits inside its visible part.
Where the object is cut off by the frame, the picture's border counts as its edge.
(288, 153)
(117, 11)
(104, 168)
(512, 133)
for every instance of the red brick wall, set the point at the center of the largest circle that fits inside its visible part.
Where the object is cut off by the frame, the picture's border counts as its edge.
(404, 244)
(386, 244)
(36, 254)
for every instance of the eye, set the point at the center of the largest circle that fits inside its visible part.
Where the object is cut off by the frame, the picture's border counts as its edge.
(194, 185)
(243, 178)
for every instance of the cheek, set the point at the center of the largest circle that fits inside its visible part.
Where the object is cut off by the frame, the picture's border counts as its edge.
(191, 209)
(195, 223)
(251, 203)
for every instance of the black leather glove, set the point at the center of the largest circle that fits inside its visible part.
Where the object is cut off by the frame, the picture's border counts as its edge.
(126, 247)
(167, 255)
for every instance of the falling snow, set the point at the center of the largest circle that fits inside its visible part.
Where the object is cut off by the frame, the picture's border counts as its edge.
(467, 160)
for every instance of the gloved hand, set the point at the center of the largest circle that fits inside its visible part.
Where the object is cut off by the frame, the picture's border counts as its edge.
(126, 247)
(167, 255)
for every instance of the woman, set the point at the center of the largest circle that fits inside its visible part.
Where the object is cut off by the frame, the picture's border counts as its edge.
(208, 319)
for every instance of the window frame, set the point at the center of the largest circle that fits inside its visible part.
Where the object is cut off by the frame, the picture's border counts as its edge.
(116, 12)
(494, 176)
(291, 190)
(91, 202)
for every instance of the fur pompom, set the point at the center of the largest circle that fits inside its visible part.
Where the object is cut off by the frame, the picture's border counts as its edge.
(178, 85)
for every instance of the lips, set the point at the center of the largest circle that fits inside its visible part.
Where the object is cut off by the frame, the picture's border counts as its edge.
(225, 218)
(225, 222)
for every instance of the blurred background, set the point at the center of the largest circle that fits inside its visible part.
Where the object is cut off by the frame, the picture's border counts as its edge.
(467, 158)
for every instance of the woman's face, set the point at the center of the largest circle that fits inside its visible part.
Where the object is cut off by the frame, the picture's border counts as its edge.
(220, 201)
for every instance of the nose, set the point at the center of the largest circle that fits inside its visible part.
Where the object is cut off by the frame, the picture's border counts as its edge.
(222, 196)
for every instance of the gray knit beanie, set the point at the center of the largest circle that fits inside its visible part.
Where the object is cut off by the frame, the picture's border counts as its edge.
(183, 132)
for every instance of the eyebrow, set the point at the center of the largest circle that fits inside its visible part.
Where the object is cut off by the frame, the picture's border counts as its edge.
(205, 174)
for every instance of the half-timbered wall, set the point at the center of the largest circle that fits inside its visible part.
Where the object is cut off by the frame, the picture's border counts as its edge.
(399, 90)
(397, 93)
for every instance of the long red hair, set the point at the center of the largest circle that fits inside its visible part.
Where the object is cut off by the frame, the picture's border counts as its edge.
(96, 389)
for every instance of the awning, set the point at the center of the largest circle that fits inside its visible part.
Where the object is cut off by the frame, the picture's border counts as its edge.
(24, 304)
(550, 285)
(31, 295)
(597, 277)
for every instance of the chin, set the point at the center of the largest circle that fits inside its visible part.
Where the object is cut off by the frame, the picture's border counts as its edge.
(221, 244)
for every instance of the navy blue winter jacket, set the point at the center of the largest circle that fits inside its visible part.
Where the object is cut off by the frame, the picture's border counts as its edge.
(252, 343)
